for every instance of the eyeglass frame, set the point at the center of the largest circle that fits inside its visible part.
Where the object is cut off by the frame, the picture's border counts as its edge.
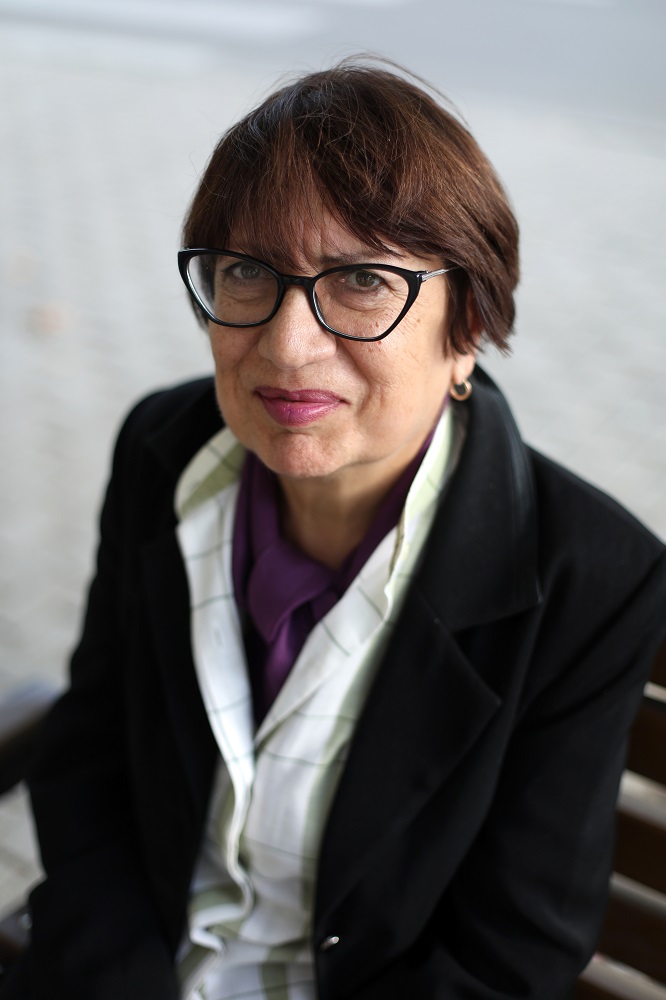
(414, 281)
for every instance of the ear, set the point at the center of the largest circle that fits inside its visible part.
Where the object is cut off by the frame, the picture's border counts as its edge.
(463, 364)
(474, 324)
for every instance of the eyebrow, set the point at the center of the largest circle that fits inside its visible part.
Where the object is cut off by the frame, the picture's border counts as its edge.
(356, 257)
(341, 259)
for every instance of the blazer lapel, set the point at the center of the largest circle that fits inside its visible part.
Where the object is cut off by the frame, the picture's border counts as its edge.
(427, 708)
(166, 594)
(429, 703)
(167, 598)
(482, 565)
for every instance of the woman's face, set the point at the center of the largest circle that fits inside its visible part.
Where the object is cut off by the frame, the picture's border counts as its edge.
(314, 406)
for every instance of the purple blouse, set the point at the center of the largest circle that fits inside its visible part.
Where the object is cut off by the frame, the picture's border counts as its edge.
(282, 593)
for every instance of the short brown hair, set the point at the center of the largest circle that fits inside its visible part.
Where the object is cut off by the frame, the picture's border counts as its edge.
(389, 162)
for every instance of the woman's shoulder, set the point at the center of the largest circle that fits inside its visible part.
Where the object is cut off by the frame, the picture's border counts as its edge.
(168, 405)
(170, 423)
(597, 563)
(587, 552)
(574, 510)
(570, 511)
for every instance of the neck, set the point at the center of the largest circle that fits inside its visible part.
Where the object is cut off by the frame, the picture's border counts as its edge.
(328, 518)
(325, 521)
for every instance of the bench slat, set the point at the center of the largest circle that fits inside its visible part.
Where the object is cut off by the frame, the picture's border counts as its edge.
(602, 980)
(640, 850)
(647, 749)
(635, 934)
(658, 674)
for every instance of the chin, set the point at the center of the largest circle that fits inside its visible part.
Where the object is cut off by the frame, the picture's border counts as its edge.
(297, 456)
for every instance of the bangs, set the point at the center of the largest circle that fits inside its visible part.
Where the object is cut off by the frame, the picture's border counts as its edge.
(273, 184)
(272, 219)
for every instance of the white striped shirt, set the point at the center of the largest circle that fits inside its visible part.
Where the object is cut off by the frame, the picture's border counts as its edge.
(252, 896)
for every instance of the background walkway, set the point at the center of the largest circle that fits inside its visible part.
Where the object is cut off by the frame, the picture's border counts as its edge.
(105, 125)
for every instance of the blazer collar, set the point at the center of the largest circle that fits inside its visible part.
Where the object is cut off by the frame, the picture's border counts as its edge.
(194, 420)
(483, 563)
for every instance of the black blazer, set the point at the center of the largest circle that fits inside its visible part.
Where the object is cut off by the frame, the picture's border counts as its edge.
(468, 847)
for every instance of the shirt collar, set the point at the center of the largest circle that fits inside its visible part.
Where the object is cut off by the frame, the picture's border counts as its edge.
(218, 465)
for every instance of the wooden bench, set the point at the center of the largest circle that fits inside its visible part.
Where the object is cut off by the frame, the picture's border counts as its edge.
(630, 963)
(631, 960)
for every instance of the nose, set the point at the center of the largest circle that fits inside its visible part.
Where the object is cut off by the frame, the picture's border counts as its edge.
(294, 337)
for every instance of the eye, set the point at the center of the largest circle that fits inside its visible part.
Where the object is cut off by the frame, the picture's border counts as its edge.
(364, 279)
(245, 271)
(245, 276)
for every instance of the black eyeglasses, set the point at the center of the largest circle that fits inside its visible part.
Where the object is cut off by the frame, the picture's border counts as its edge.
(354, 301)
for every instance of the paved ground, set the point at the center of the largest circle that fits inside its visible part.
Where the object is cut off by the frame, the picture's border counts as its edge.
(103, 139)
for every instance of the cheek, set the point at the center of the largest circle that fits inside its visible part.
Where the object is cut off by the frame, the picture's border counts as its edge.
(228, 350)
(228, 382)
(413, 355)
(377, 369)
(411, 377)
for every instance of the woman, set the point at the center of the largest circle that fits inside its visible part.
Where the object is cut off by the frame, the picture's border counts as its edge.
(350, 707)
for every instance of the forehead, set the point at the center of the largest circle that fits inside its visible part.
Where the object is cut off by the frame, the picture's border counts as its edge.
(317, 241)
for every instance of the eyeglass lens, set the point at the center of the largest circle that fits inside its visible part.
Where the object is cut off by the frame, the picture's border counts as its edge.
(357, 301)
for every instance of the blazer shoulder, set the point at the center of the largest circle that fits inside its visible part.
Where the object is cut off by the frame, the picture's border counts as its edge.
(580, 522)
(166, 405)
(171, 423)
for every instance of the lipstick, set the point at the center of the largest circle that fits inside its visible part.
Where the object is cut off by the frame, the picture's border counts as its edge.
(297, 407)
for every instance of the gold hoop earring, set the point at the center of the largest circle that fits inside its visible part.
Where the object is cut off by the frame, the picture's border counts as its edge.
(460, 391)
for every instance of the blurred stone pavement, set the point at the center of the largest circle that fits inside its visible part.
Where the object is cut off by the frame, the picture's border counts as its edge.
(102, 144)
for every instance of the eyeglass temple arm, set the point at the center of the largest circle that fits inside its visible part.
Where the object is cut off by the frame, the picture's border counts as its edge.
(424, 275)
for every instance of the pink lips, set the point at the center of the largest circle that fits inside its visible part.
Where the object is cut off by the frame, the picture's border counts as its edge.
(297, 407)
